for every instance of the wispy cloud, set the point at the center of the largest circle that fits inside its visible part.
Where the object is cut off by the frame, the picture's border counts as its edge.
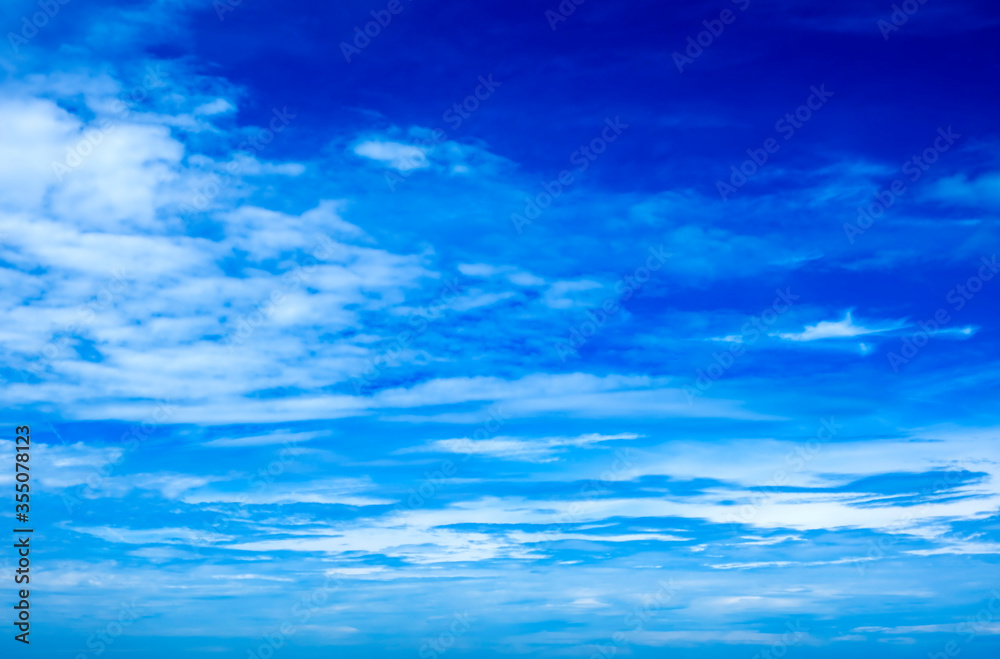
(840, 329)
(542, 449)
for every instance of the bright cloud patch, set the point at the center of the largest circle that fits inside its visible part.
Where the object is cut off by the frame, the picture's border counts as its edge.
(402, 157)
(841, 329)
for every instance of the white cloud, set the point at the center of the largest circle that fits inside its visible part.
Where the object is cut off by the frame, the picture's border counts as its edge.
(218, 106)
(526, 279)
(566, 294)
(727, 637)
(478, 269)
(170, 536)
(345, 491)
(514, 275)
(66, 465)
(960, 189)
(263, 440)
(840, 329)
(101, 257)
(543, 449)
(987, 627)
(402, 157)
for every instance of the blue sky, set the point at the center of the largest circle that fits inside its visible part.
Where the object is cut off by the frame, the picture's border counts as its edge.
(508, 329)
